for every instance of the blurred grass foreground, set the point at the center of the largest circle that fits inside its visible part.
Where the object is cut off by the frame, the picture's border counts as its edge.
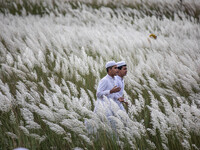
(53, 54)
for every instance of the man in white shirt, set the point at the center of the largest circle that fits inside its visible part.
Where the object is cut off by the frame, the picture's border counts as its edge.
(120, 82)
(107, 87)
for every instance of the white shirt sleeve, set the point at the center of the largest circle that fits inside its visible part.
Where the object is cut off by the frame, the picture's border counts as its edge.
(117, 95)
(117, 83)
(101, 90)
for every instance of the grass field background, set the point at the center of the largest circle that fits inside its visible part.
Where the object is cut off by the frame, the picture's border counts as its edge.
(53, 54)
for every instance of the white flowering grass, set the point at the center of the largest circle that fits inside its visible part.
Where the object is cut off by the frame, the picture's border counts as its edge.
(53, 54)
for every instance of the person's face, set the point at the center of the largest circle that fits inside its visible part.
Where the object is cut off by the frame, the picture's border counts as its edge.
(114, 70)
(123, 71)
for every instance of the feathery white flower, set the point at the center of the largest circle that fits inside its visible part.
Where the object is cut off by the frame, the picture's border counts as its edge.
(86, 139)
(9, 59)
(65, 88)
(37, 137)
(165, 146)
(5, 103)
(12, 117)
(73, 88)
(186, 144)
(84, 99)
(74, 125)
(151, 144)
(32, 125)
(27, 114)
(195, 147)
(24, 130)
(77, 148)
(55, 127)
(12, 135)
(45, 112)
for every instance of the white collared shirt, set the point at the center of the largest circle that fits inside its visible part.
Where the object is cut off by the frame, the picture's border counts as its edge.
(120, 83)
(104, 87)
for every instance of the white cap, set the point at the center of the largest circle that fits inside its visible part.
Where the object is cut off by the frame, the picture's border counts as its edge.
(20, 148)
(110, 63)
(121, 63)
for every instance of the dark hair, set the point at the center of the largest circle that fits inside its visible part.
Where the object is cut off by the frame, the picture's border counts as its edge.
(121, 67)
(108, 68)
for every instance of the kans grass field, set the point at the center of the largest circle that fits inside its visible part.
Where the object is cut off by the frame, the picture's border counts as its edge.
(53, 54)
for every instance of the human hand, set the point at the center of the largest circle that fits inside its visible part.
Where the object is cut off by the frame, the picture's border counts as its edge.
(115, 89)
(121, 99)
